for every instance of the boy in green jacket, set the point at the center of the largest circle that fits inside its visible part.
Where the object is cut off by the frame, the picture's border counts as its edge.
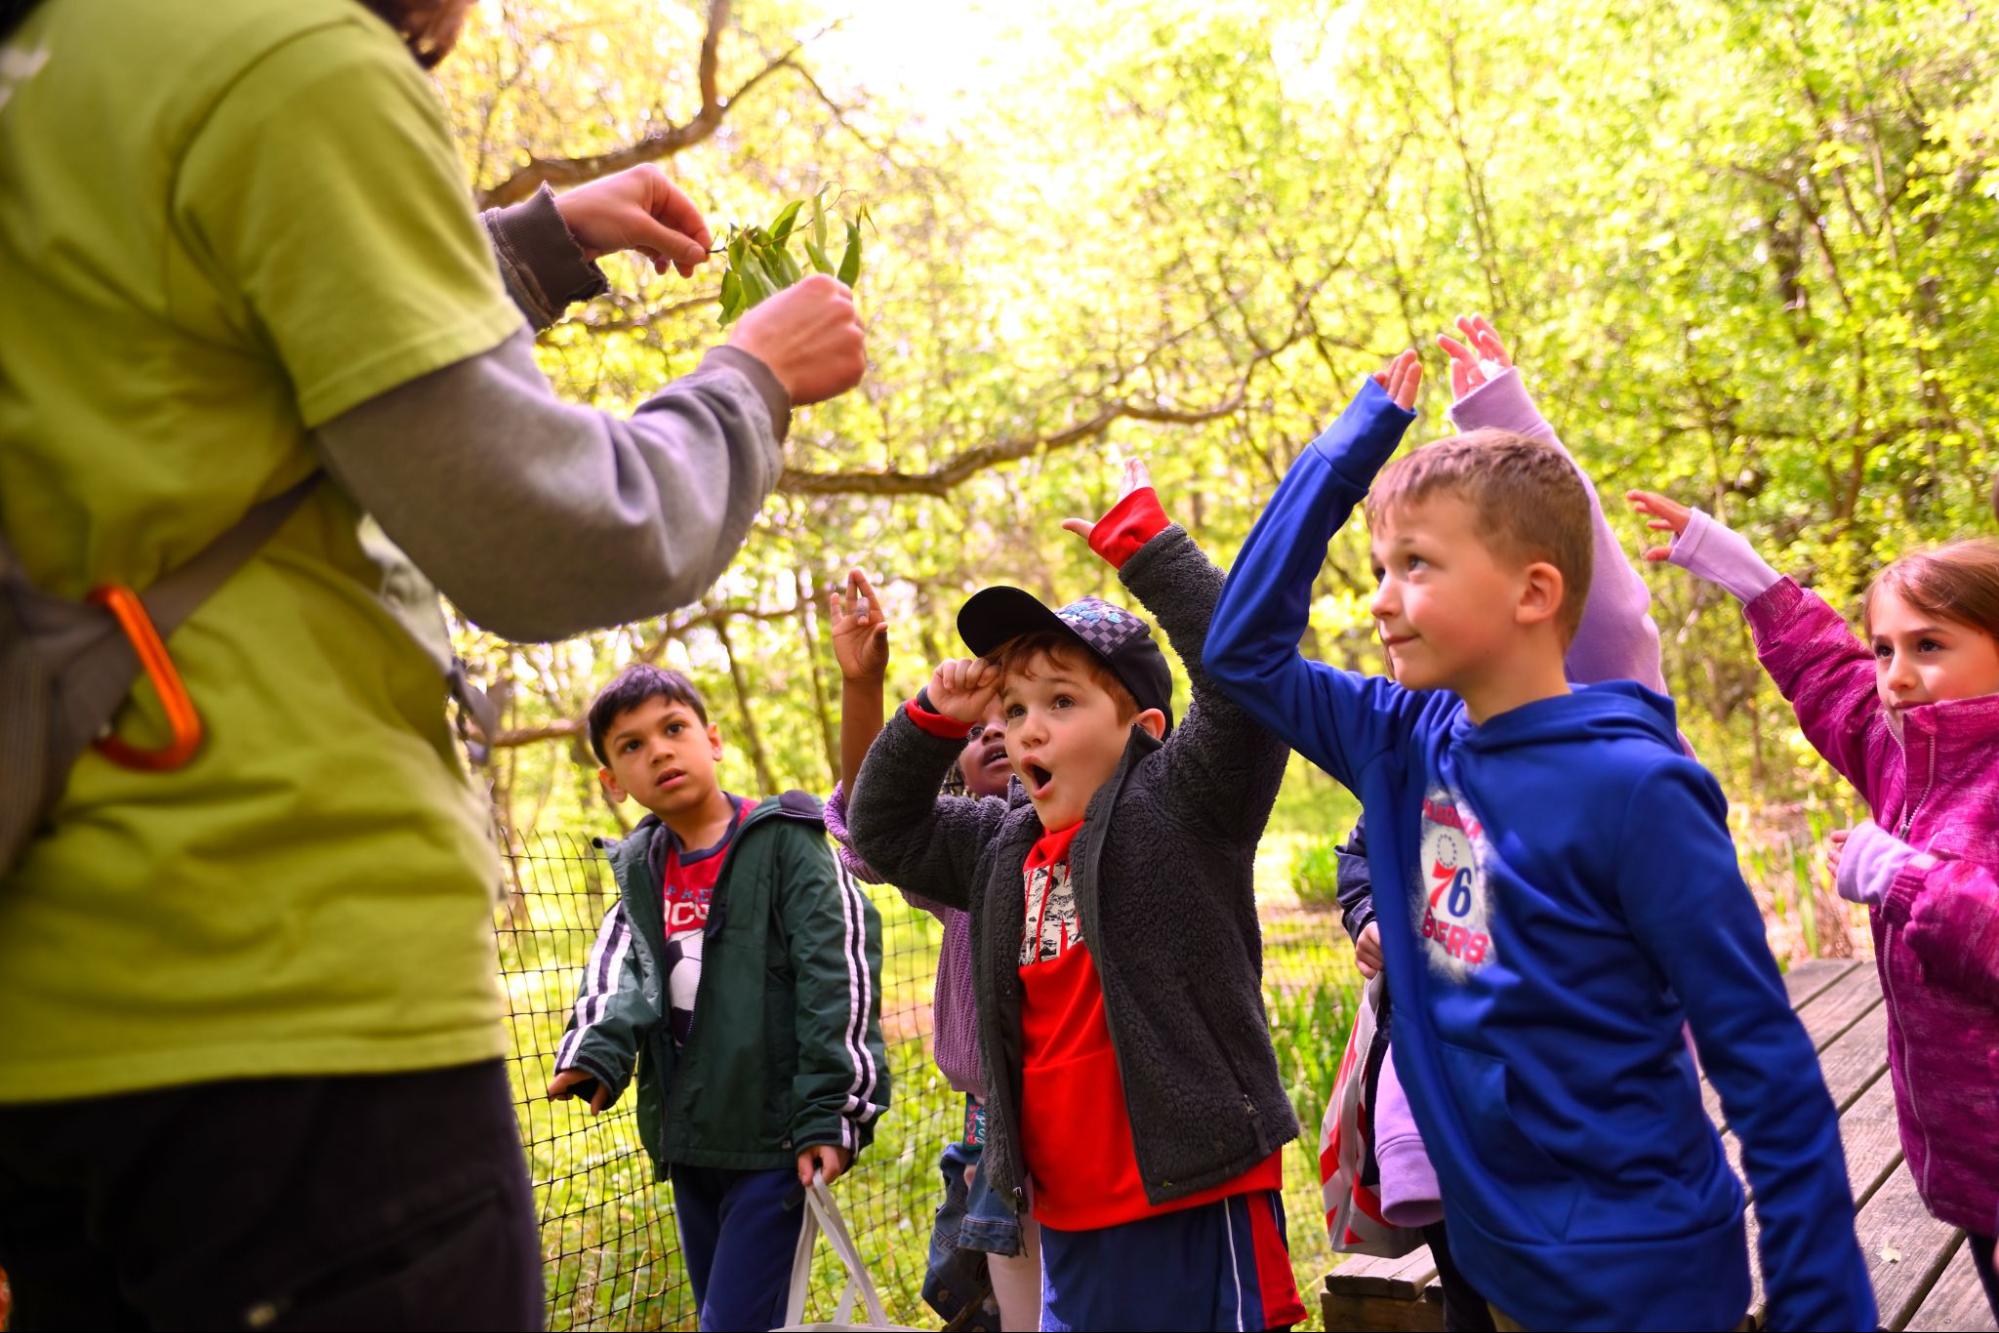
(738, 979)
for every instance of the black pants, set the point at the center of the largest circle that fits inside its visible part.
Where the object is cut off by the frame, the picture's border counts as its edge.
(1465, 1311)
(1981, 1259)
(377, 1202)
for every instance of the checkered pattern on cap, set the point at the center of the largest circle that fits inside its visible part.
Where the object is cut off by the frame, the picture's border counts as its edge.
(1104, 627)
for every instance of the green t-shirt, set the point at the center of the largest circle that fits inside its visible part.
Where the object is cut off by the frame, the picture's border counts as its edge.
(223, 222)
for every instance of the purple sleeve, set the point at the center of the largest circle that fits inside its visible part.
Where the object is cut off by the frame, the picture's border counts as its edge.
(1951, 908)
(1872, 860)
(1711, 550)
(1617, 639)
(1410, 1196)
(843, 846)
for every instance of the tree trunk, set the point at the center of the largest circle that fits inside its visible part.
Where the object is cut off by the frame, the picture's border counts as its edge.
(809, 630)
(752, 737)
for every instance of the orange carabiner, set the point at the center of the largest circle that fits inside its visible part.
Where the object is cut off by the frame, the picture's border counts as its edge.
(130, 612)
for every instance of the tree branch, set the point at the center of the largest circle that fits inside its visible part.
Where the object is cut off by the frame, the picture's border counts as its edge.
(941, 479)
(541, 171)
(562, 729)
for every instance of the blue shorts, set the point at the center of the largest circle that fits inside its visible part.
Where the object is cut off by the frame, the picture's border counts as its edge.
(1223, 1265)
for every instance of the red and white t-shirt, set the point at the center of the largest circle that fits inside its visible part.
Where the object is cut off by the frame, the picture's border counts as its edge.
(688, 891)
(1075, 1129)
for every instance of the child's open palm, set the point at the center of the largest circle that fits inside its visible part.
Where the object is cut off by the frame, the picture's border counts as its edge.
(1663, 514)
(1136, 476)
(860, 629)
(1402, 378)
(1478, 358)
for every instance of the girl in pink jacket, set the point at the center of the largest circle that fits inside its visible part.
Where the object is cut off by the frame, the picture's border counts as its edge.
(1909, 716)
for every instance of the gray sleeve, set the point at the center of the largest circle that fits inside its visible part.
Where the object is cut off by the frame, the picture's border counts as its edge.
(1224, 769)
(540, 519)
(905, 829)
(540, 262)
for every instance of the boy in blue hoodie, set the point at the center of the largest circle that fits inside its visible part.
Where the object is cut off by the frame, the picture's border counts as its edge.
(1571, 900)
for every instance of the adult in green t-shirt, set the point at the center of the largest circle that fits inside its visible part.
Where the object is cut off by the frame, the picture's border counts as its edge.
(250, 1036)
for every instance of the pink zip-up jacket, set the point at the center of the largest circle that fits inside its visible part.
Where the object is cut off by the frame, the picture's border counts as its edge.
(1936, 928)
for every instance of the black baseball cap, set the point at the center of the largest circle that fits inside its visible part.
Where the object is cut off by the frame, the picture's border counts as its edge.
(1111, 634)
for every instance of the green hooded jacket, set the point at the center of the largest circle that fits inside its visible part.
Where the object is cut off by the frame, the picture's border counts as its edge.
(786, 1048)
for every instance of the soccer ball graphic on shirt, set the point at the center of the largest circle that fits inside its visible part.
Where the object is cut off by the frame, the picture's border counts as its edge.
(1450, 899)
(683, 980)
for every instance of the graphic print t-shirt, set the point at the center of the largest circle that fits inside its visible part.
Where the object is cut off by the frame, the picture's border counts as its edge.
(1074, 1125)
(688, 890)
(1450, 899)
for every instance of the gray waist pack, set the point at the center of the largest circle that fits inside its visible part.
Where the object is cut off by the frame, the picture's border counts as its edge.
(66, 668)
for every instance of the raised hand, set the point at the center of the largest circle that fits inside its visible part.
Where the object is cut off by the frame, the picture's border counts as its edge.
(637, 209)
(1663, 514)
(963, 689)
(1402, 378)
(860, 630)
(1480, 357)
(1135, 477)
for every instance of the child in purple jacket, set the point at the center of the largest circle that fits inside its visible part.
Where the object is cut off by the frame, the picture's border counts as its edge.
(969, 1220)
(1910, 717)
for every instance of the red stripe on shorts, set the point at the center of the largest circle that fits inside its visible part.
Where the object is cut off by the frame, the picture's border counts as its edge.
(1279, 1289)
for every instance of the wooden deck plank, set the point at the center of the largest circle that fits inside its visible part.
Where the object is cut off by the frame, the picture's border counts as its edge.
(1839, 1006)
(1808, 978)
(1402, 1279)
(1380, 1312)
(1906, 1249)
(1957, 1301)
(1856, 1057)
(1873, 1144)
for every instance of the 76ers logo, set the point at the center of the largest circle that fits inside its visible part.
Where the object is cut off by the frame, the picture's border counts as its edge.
(1450, 901)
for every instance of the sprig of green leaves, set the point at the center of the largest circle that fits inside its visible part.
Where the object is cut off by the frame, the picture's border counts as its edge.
(761, 263)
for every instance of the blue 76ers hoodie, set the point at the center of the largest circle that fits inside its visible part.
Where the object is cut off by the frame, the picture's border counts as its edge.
(1570, 900)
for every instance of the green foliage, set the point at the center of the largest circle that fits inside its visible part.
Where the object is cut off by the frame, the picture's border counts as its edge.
(1315, 875)
(1742, 253)
(761, 263)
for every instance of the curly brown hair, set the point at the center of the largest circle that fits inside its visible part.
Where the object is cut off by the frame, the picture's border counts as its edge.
(428, 27)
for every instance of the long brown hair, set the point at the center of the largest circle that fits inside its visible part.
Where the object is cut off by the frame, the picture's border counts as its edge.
(1958, 582)
(428, 27)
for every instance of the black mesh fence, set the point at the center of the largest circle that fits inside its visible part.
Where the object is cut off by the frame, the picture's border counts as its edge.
(611, 1250)
(608, 1237)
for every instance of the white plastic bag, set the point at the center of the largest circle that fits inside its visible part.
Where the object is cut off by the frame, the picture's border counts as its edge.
(1346, 1147)
(823, 1215)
